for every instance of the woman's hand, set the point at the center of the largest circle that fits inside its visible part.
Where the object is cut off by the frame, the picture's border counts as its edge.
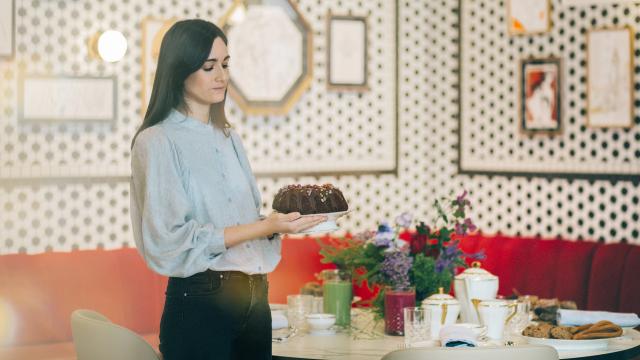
(292, 223)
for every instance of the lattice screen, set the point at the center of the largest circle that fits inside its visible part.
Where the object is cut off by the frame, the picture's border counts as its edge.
(60, 215)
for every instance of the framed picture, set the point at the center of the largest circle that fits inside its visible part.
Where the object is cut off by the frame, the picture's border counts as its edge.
(268, 79)
(540, 109)
(7, 29)
(153, 30)
(610, 77)
(49, 98)
(528, 16)
(346, 52)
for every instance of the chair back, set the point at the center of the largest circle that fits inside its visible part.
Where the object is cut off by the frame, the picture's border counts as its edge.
(97, 338)
(523, 352)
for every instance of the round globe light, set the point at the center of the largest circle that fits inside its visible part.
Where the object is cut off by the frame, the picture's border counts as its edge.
(112, 46)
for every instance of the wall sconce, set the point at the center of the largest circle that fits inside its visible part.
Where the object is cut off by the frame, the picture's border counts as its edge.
(109, 46)
(238, 15)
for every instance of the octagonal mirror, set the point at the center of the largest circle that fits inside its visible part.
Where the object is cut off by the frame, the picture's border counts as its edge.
(270, 48)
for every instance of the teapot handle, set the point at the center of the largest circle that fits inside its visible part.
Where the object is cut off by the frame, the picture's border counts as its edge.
(444, 314)
(515, 311)
(475, 303)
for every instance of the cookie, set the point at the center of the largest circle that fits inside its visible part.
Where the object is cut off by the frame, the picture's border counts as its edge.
(538, 331)
(561, 332)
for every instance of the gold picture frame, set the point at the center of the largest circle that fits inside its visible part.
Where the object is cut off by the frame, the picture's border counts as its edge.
(540, 99)
(347, 54)
(610, 77)
(153, 30)
(278, 92)
(528, 17)
(7, 29)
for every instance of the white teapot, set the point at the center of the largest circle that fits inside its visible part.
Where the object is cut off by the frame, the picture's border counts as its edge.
(443, 310)
(471, 286)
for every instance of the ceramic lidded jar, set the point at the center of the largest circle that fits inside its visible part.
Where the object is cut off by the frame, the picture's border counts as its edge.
(443, 309)
(471, 286)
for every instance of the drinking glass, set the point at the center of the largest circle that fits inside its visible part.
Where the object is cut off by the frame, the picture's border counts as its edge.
(520, 319)
(396, 299)
(416, 326)
(337, 295)
(298, 306)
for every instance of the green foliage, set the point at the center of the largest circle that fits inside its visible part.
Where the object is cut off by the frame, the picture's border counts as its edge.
(426, 280)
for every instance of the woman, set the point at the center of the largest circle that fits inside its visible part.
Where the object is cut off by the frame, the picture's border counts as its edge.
(195, 207)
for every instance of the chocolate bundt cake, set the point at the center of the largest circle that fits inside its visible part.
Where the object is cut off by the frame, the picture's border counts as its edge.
(309, 199)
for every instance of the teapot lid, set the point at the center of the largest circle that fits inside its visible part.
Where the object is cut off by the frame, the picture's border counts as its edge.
(475, 272)
(440, 298)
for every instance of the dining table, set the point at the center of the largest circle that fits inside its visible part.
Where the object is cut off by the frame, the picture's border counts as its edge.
(358, 344)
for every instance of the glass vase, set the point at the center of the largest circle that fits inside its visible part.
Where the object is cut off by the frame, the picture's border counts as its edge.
(395, 300)
(337, 295)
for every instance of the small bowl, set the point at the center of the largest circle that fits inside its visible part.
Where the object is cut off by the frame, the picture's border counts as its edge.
(321, 321)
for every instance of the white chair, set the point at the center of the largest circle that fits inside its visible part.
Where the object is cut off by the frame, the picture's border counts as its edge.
(523, 352)
(97, 338)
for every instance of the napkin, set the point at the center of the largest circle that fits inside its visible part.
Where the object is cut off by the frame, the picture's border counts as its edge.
(278, 320)
(456, 336)
(582, 317)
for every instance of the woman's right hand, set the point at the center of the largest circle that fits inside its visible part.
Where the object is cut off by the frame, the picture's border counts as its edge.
(292, 223)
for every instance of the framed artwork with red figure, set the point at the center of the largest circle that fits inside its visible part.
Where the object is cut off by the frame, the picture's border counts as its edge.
(540, 95)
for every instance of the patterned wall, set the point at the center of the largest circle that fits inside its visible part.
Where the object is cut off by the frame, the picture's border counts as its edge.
(491, 136)
(88, 212)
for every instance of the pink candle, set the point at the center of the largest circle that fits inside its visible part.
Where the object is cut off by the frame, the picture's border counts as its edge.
(394, 301)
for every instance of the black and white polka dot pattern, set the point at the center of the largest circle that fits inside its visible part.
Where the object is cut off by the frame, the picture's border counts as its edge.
(60, 215)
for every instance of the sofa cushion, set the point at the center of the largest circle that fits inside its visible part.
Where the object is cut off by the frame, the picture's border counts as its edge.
(546, 268)
(40, 292)
(630, 285)
(300, 264)
(605, 279)
(572, 270)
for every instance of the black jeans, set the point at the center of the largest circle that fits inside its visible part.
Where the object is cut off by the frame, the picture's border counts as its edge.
(216, 315)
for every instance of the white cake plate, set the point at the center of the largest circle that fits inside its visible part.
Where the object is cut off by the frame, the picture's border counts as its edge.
(327, 226)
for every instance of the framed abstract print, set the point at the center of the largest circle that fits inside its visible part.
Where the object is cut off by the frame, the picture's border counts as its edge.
(526, 17)
(540, 96)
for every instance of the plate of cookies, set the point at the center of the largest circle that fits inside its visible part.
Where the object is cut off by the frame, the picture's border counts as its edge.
(586, 337)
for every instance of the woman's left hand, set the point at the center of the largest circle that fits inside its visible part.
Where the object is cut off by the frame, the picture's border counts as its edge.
(292, 223)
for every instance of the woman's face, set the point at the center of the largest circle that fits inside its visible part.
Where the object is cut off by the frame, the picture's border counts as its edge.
(208, 84)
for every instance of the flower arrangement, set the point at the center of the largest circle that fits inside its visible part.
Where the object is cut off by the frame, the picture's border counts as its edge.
(425, 258)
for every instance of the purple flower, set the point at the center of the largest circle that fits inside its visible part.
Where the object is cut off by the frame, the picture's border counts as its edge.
(460, 229)
(404, 220)
(395, 267)
(461, 199)
(448, 257)
(469, 225)
(384, 236)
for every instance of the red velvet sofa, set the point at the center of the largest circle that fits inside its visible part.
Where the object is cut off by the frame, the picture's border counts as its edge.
(39, 292)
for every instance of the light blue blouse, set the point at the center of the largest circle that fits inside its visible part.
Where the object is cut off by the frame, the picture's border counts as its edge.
(190, 181)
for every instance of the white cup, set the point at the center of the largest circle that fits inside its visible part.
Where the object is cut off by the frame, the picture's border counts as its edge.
(494, 314)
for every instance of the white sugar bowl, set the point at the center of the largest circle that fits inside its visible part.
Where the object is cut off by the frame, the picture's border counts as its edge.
(443, 310)
(320, 323)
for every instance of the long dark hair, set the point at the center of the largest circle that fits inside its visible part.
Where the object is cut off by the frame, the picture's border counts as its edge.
(184, 49)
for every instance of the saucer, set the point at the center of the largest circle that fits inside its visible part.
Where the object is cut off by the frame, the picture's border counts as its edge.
(327, 226)
(322, 332)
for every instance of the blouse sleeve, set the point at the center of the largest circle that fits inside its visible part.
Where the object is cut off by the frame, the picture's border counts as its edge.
(170, 240)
